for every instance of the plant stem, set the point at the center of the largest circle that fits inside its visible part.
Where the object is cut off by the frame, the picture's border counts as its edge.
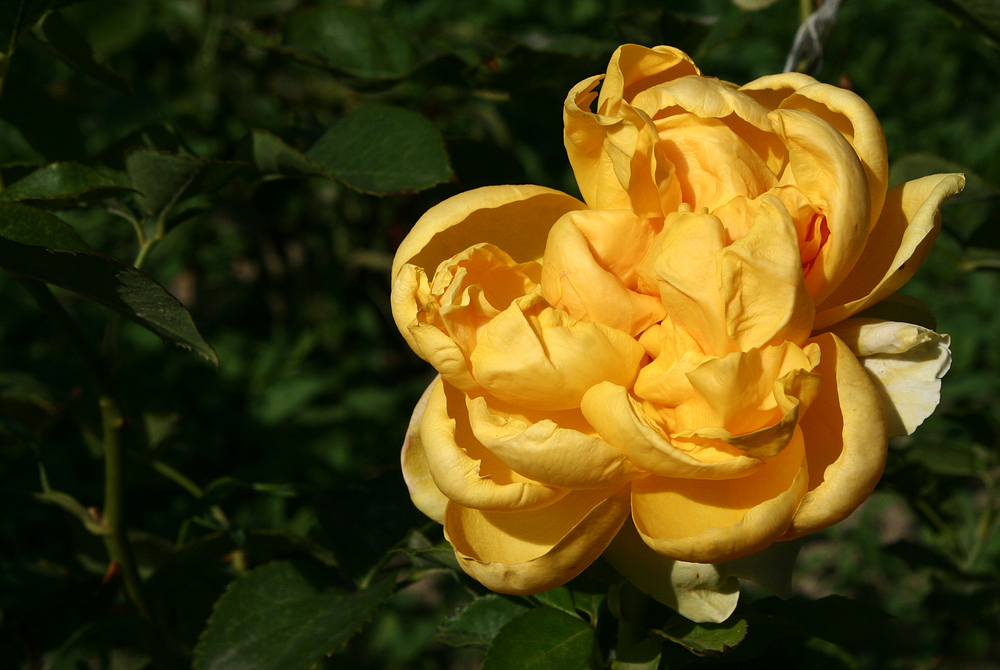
(632, 620)
(116, 540)
(806, 8)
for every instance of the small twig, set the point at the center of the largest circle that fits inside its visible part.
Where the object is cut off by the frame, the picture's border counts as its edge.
(806, 54)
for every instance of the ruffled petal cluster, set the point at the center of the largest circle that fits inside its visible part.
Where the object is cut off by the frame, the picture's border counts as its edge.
(686, 367)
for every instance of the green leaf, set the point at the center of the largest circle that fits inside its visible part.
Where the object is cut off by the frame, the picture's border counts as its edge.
(284, 615)
(110, 282)
(559, 598)
(27, 225)
(541, 639)
(60, 185)
(16, 16)
(74, 50)
(381, 149)
(479, 622)
(166, 179)
(351, 40)
(642, 656)
(704, 639)
(270, 155)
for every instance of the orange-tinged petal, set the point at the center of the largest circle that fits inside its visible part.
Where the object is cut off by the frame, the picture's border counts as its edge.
(622, 422)
(845, 433)
(712, 521)
(463, 469)
(515, 218)
(533, 355)
(424, 492)
(899, 243)
(761, 282)
(825, 168)
(905, 361)
(527, 552)
(556, 448)
(589, 269)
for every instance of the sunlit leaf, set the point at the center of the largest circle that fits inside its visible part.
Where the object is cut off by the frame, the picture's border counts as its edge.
(381, 149)
(284, 615)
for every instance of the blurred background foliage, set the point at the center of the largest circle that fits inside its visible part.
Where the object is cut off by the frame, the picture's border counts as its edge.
(261, 159)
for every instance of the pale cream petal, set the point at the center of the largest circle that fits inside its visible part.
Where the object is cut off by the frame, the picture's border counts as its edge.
(556, 448)
(463, 469)
(424, 492)
(526, 552)
(825, 168)
(899, 243)
(621, 421)
(761, 282)
(515, 218)
(712, 521)
(701, 592)
(846, 440)
(536, 356)
(589, 264)
(850, 114)
(905, 361)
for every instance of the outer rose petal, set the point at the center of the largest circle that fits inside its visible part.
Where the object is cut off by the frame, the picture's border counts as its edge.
(712, 521)
(424, 492)
(845, 434)
(556, 448)
(828, 172)
(527, 552)
(515, 218)
(634, 68)
(905, 361)
(463, 469)
(898, 244)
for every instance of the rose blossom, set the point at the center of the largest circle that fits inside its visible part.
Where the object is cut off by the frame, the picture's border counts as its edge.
(670, 373)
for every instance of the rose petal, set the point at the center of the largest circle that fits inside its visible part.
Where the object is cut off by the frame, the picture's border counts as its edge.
(701, 592)
(424, 492)
(463, 469)
(712, 521)
(771, 90)
(850, 114)
(532, 355)
(825, 168)
(905, 361)
(634, 68)
(515, 218)
(527, 552)
(556, 448)
(761, 282)
(621, 421)
(845, 431)
(683, 256)
(899, 243)
(589, 269)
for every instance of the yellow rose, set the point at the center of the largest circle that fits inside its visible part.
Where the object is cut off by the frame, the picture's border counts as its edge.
(670, 373)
